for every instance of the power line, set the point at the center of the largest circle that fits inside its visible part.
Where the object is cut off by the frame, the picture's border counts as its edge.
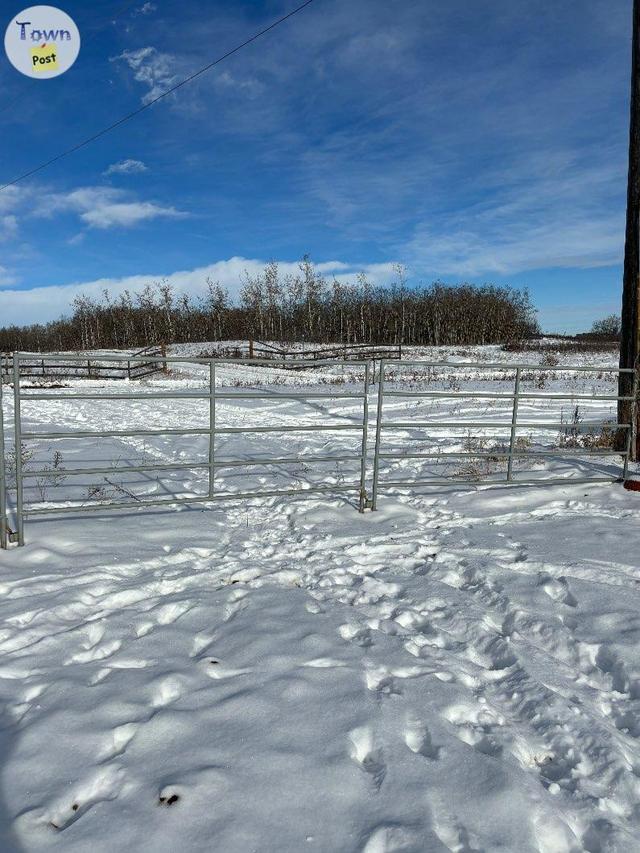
(155, 100)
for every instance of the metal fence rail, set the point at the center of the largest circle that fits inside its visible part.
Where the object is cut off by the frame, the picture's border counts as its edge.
(210, 429)
(383, 454)
(510, 427)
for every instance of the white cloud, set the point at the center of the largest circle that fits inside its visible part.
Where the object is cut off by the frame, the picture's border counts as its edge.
(535, 216)
(152, 68)
(6, 278)
(8, 227)
(41, 304)
(126, 167)
(145, 9)
(107, 207)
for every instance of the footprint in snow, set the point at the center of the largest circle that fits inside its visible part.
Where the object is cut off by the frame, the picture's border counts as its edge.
(217, 670)
(390, 838)
(105, 784)
(557, 589)
(166, 614)
(366, 755)
(118, 740)
(418, 738)
(166, 691)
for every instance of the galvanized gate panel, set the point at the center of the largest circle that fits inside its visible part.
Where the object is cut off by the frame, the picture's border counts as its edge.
(211, 430)
(511, 426)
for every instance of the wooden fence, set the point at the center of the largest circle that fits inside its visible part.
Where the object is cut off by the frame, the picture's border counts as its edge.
(95, 367)
(289, 357)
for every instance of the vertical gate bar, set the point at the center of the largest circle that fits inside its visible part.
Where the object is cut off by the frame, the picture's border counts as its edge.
(365, 436)
(514, 425)
(17, 437)
(3, 479)
(631, 432)
(212, 424)
(376, 452)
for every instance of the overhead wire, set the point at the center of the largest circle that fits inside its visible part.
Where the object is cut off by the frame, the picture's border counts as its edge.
(145, 106)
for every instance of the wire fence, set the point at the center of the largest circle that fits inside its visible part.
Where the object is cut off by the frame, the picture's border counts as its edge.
(434, 424)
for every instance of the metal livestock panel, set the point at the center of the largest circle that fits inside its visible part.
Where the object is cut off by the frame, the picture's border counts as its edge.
(210, 429)
(511, 427)
(512, 448)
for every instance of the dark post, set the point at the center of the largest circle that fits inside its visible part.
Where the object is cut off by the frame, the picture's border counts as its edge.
(630, 333)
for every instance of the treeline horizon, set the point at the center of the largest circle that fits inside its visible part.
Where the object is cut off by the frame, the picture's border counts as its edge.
(287, 308)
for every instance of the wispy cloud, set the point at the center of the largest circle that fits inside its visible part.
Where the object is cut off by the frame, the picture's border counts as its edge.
(145, 9)
(154, 69)
(6, 277)
(126, 167)
(8, 227)
(107, 207)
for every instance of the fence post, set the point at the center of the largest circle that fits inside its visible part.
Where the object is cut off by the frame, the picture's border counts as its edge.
(212, 425)
(3, 481)
(632, 431)
(376, 452)
(365, 436)
(18, 445)
(514, 425)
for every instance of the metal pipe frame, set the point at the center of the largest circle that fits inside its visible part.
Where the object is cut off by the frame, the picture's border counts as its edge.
(514, 425)
(210, 430)
(129, 433)
(17, 436)
(187, 395)
(227, 496)
(496, 395)
(214, 463)
(193, 466)
(513, 365)
(513, 452)
(492, 425)
(4, 529)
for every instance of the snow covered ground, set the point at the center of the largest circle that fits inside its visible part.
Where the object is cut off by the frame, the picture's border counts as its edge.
(457, 671)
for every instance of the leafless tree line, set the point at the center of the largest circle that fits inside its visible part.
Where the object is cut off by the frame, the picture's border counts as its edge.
(292, 307)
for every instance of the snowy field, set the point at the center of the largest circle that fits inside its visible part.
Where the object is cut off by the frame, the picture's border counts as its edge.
(457, 671)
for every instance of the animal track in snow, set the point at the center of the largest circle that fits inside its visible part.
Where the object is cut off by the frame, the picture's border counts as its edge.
(366, 755)
(381, 680)
(356, 633)
(166, 691)
(390, 838)
(456, 837)
(104, 784)
(95, 653)
(557, 589)
(217, 670)
(118, 740)
(418, 738)
(477, 727)
(166, 614)
(235, 603)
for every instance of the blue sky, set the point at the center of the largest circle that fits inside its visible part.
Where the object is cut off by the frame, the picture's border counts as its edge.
(481, 141)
